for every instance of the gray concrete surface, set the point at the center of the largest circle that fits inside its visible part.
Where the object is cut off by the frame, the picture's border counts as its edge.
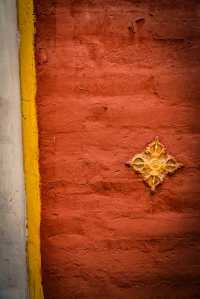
(13, 276)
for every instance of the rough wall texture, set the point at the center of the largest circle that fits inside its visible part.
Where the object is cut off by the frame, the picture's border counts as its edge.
(111, 76)
(13, 280)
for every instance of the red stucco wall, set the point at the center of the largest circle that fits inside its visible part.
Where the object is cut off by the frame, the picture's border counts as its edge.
(112, 75)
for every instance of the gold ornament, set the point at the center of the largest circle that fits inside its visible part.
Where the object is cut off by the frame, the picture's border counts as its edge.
(154, 164)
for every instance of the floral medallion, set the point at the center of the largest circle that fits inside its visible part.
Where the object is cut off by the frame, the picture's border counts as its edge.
(154, 164)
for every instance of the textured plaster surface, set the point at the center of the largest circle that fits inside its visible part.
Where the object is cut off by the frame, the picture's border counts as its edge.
(13, 280)
(112, 75)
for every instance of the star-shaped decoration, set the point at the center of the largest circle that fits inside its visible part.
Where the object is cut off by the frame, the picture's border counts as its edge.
(154, 164)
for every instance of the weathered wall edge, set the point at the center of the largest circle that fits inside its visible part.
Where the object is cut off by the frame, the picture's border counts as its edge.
(30, 144)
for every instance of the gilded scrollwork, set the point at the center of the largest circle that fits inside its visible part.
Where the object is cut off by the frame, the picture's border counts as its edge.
(154, 163)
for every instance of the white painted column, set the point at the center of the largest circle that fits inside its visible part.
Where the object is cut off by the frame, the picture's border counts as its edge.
(13, 277)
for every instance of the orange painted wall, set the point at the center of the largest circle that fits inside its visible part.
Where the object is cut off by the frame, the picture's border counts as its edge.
(111, 76)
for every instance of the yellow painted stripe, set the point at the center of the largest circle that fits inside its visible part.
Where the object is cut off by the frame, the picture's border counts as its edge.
(30, 144)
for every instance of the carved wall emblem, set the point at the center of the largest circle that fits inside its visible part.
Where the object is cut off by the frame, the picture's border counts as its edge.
(154, 163)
